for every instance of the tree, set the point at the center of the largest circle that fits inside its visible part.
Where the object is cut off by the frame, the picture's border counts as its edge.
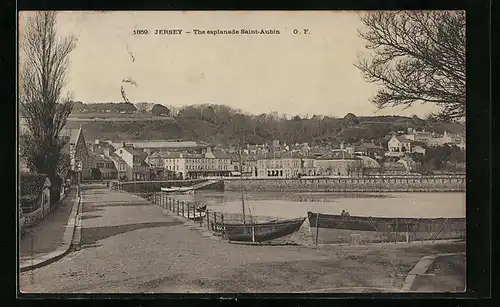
(418, 56)
(159, 109)
(96, 173)
(350, 119)
(44, 61)
(142, 107)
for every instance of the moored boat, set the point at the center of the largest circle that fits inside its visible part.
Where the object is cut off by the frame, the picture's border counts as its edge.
(328, 228)
(257, 232)
(262, 232)
(170, 189)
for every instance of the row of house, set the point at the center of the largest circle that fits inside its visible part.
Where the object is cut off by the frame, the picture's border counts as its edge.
(146, 160)
(157, 159)
(414, 141)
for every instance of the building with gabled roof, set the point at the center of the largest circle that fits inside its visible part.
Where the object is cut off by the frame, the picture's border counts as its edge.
(137, 167)
(120, 166)
(105, 165)
(79, 153)
(399, 144)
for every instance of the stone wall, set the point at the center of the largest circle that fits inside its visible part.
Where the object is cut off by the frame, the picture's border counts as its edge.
(451, 183)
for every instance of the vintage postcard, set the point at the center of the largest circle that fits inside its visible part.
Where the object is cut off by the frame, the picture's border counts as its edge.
(242, 152)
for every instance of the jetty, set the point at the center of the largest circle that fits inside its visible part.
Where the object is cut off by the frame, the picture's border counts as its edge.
(155, 185)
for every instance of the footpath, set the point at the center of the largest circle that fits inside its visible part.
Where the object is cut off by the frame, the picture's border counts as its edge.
(438, 273)
(52, 238)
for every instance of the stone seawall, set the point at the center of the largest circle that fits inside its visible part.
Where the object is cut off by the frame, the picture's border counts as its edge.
(354, 184)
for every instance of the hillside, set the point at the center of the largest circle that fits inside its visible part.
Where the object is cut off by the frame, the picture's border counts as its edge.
(236, 127)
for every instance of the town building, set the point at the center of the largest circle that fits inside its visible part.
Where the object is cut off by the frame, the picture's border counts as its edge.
(419, 136)
(307, 165)
(440, 140)
(278, 164)
(79, 153)
(137, 168)
(212, 163)
(339, 163)
(369, 149)
(120, 166)
(151, 146)
(399, 144)
(105, 165)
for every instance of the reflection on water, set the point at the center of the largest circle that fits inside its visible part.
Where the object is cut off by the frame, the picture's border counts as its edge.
(289, 205)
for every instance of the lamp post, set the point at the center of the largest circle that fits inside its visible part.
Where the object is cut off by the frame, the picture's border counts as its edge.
(79, 174)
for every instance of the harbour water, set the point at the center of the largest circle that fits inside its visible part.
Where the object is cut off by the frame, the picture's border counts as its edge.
(290, 205)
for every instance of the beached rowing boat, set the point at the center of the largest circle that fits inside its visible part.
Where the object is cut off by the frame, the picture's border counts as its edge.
(262, 232)
(329, 228)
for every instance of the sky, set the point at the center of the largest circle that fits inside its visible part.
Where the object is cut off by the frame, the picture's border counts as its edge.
(303, 74)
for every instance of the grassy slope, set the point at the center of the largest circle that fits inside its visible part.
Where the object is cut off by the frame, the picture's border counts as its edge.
(126, 126)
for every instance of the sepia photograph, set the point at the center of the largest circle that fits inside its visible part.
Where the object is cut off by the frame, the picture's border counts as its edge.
(241, 152)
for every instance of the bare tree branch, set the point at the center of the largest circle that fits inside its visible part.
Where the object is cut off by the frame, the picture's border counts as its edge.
(416, 57)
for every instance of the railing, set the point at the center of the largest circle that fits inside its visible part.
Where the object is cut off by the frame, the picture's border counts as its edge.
(212, 221)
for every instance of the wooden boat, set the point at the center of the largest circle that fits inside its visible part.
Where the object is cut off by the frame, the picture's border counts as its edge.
(258, 231)
(339, 229)
(170, 189)
(261, 232)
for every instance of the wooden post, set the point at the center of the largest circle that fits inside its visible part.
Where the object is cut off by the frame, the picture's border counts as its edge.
(397, 231)
(407, 233)
(183, 208)
(208, 220)
(201, 217)
(222, 223)
(253, 234)
(215, 221)
(317, 229)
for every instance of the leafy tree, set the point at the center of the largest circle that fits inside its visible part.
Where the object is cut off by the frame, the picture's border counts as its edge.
(350, 119)
(44, 61)
(96, 173)
(159, 109)
(418, 56)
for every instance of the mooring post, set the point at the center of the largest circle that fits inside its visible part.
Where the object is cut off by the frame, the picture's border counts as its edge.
(183, 208)
(178, 204)
(215, 222)
(317, 229)
(397, 231)
(208, 220)
(201, 217)
(222, 223)
(407, 233)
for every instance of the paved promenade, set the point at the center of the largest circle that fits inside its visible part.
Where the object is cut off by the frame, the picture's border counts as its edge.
(130, 245)
(48, 235)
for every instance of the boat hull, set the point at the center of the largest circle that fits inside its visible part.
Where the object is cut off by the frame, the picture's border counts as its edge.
(169, 190)
(327, 228)
(261, 232)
